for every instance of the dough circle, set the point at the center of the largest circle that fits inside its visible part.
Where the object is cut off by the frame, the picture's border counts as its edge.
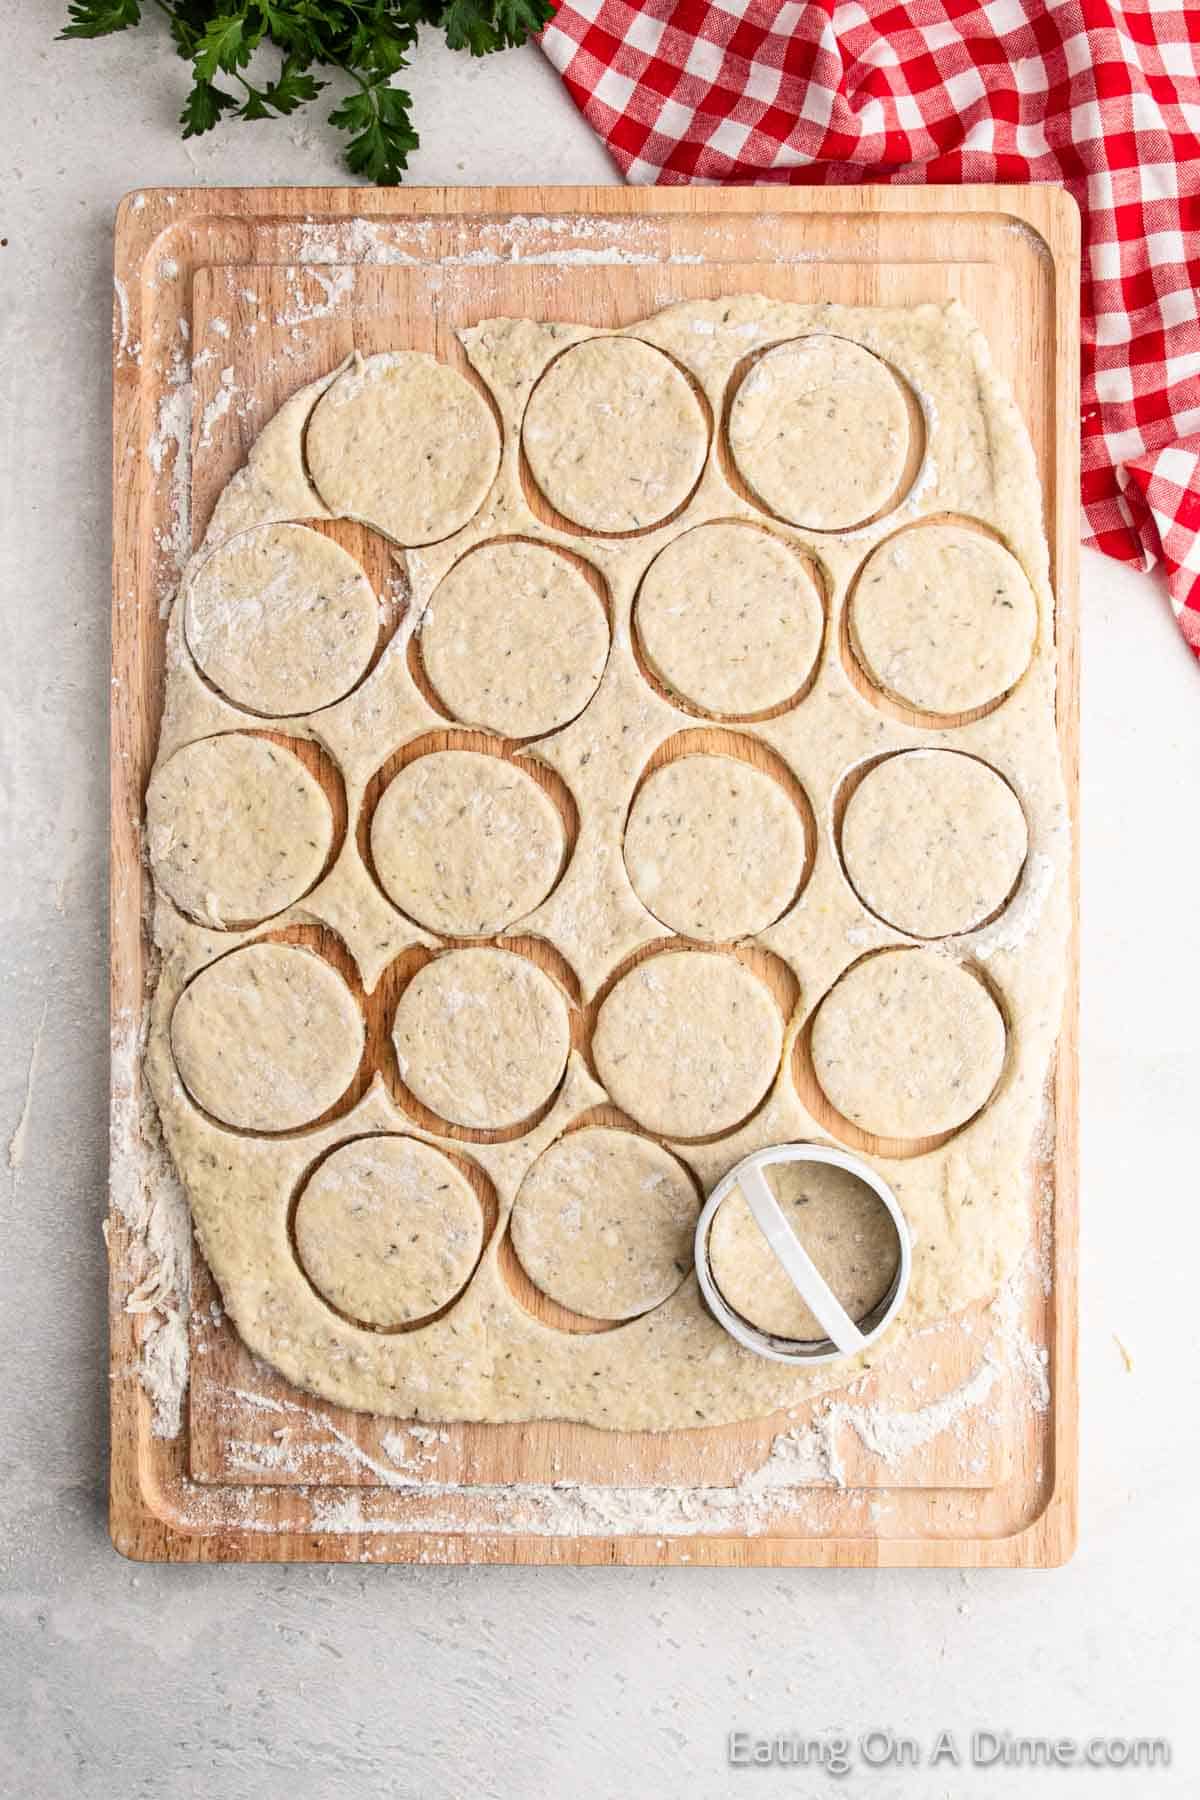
(514, 640)
(236, 828)
(943, 618)
(845, 1228)
(714, 848)
(466, 843)
(908, 1044)
(730, 619)
(481, 1037)
(405, 444)
(819, 432)
(281, 620)
(614, 435)
(267, 1038)
(688, 1042)
(388, 1230)
(933, 842)
(604, 1223)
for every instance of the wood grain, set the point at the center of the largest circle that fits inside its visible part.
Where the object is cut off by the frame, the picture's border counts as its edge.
(238, 1482)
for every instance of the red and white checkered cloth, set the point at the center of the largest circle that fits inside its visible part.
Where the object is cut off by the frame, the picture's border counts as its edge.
(1104, 97)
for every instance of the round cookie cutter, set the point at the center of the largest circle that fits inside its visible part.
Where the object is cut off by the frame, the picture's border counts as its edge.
(844, 1336)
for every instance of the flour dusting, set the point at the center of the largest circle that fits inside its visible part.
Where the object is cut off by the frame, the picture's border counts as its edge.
(148, 1198)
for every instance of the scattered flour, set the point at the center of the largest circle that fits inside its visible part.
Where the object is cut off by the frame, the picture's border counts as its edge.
(148, 1198)
(122, 299)
(170, 449)
(217, 407)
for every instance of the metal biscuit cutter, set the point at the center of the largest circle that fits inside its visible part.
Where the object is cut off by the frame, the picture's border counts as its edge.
(844, 1335)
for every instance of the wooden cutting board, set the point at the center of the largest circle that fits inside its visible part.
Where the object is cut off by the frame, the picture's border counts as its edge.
(962, 1451)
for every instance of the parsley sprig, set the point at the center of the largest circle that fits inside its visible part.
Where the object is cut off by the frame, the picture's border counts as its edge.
(370, 40)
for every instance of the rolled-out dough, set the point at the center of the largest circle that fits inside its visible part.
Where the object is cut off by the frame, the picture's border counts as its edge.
(267, 1037)
(282, 620)
(481, 1037)
(514, 639)
(688, 1043)
(943, 618)
(694, 1061)
(819, 432)
(933, 842)
(466, 843)
(614, 435)
(236, 828)
(604, 1223)
(908, 1044)
(730, 619)
(405, 444)
(388, 1230)
(840, 1221)
(714, 847)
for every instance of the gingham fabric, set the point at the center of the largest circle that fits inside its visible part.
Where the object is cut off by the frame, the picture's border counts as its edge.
(1100, 96)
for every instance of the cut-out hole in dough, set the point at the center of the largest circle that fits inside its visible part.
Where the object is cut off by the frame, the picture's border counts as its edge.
(604, 1223)
(267, 1038)
(842, 1224)
(538, 1304)
(933, 842)
(281, 620)
(614, 436)
(908, 1044)
(714, 847)
(237, 829)
(388, 1231)
(688, 1042)
(729, 620)
(405, 444)
(481, 1037)
(515, 638)
(819, 430)
(466, 844)
(942, 619)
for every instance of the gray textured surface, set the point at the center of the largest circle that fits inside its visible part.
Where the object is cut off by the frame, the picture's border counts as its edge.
(120, 1681)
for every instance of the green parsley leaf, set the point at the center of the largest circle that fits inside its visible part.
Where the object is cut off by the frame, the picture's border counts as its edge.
(292, 89)
(96, 18)
(381, 119)
(227, 44)
(203, 107)
(481, 26)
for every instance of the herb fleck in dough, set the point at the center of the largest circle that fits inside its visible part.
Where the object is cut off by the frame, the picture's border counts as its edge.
(729, 619)
(714, 848)
(907, 1044)
(943, 618)
(236, 828)
(267, 1038)
(388, 1230)
(466, 843)
(843, 1225)
(281, 620)
(514, 640)
(614, 435)
(604, 1223)
(688, 1042)
(481, 1037)
(404, 444)
(933, 842)
(819, 431)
